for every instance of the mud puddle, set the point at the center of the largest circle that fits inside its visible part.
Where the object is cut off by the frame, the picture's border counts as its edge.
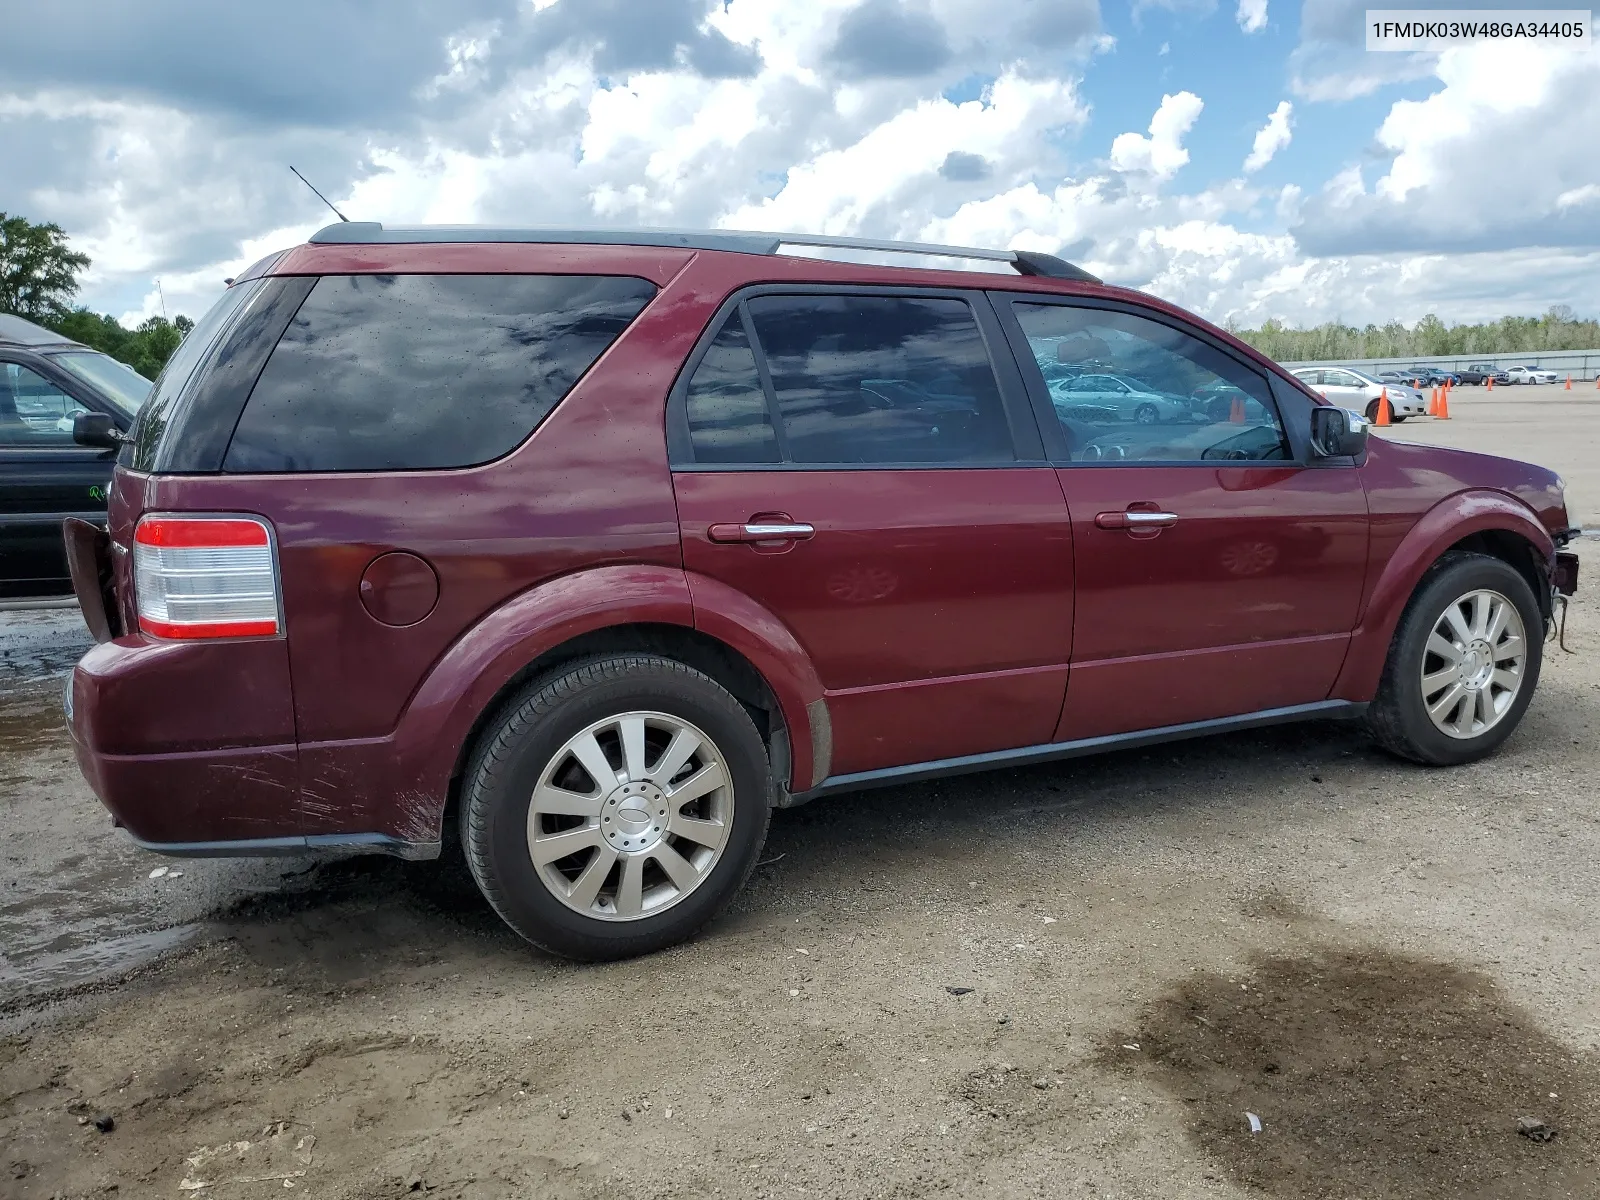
(1372, 1074)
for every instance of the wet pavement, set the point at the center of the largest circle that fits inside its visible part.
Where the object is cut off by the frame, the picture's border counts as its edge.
(77, 901)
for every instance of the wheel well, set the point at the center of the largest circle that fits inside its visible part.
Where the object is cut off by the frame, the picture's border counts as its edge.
(1517, 552)
(689, 646)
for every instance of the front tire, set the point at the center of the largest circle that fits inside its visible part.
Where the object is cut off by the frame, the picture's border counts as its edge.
(1146, 414)
(615, 806)
(1463, 665)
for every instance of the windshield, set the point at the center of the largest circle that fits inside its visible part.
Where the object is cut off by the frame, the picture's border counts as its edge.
(116, 381)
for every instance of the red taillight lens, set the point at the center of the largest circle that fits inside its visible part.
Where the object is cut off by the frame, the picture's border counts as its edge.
(205, 577)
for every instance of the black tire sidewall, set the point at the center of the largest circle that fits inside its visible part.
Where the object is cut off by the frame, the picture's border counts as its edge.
(496, 796)
(1405, 677)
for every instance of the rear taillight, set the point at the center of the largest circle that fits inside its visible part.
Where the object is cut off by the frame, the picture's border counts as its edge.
(205, 577)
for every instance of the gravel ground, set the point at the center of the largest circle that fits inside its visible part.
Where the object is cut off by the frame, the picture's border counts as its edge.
(1074, 980)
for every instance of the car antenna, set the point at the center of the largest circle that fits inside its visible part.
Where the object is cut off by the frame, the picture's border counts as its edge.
(318, 194)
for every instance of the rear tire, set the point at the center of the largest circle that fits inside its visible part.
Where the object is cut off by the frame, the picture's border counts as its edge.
(1146, 414)
(1457, 681)
(659, 783)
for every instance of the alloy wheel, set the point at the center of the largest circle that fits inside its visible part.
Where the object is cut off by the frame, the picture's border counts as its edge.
(1473, 664)
(630, 816)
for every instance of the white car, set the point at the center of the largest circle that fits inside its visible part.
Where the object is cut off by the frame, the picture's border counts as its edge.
(1529, 375)
(1349, 388)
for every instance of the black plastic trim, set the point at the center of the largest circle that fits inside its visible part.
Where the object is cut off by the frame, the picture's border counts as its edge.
(370, 843)
(1051, 752)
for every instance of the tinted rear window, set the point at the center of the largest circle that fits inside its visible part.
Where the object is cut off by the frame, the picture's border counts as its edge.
(394, 372)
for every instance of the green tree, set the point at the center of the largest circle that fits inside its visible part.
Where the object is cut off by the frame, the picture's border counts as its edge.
(38, 274)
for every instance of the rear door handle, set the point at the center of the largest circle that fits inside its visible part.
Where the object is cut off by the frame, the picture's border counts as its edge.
(761, 531)
(1136, 519)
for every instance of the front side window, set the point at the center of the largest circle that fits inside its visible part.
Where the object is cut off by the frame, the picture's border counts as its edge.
(881, 379)
(403, 372)
(1126, 387)
(118, 382)
(34, 413)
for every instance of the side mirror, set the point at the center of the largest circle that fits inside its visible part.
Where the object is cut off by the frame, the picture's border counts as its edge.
(97, 430)
(1337, 432)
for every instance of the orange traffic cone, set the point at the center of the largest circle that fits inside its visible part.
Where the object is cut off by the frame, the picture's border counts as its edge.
(1444, 405)
(1569, 381)
(1385, 414)
(1488, 383)
(1433, 403)
(1236, 411)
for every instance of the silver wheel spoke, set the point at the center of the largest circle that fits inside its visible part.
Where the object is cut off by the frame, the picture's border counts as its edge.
(678, 868)
(703, 833)
(1485, 707)
(1508, 649)
(587, 886)
(1497, 623)
(679, 751)
(586, 749)
(707, 779)
(1505, 680)
(1432, 683)
(1458, 623)
(548, 849)
(632, 731)
(1480, 614)
(630, 891)
(1445, 706)
(558, 802)
(1445, 649)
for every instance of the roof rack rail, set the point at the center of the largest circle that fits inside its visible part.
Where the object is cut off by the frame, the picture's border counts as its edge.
(1025, 262)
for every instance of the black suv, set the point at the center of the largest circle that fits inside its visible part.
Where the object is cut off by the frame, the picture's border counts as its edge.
(46, 381)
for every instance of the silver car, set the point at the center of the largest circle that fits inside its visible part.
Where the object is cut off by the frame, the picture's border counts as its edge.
(1349, 388)
(1128, 398)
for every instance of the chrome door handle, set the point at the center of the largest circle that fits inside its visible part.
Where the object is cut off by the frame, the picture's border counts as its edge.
(1136, 520)
(775, 531)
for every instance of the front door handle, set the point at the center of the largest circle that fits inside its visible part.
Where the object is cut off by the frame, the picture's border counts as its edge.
(761, 531)
(1136, 519)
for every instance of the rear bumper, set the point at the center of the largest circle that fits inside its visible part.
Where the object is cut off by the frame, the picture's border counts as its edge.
(155, 727)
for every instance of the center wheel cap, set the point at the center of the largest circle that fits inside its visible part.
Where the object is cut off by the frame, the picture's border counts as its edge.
(634, 817)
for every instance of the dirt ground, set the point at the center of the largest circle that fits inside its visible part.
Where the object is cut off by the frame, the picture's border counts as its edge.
(1074, 980)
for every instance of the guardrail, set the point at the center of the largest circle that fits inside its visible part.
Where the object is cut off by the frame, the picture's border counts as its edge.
(1580, 364)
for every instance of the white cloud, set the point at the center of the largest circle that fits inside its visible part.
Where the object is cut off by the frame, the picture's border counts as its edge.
(1161, 154)
(1252, 15)
(1270, 138)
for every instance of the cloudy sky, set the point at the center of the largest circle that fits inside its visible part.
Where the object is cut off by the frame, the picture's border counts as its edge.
(1246, 158)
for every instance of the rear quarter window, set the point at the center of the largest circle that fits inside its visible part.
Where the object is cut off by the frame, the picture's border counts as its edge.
(404, 372)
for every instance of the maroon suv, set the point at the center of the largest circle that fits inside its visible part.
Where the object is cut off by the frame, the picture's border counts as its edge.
(604, 544)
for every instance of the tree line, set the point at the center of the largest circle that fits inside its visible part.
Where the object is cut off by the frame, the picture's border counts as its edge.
(38, 279)
(1558, 329)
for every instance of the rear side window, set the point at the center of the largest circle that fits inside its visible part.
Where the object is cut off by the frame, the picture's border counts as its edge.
(728, 421)
(396, 372)
(880, 379)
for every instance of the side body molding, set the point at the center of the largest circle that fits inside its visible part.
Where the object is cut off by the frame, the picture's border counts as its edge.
(1448, 522)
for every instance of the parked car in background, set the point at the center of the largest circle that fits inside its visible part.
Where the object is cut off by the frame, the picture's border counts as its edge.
(1350, 388)
(1530, 375)
(46, 380)
(731, 529)
(1430, 376)
(1130, 399)
(1480, 373)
